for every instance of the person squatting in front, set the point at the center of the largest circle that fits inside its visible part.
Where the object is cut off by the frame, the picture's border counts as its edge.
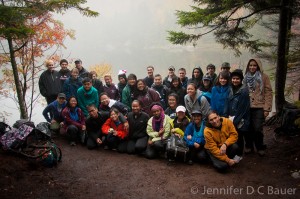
(158, 129)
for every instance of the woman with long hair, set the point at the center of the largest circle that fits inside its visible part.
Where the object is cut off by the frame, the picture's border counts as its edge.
(74, 121)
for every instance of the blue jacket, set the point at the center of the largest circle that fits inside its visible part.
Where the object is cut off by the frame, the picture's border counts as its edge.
(53, 111)
(197, 136)
(219, 98)
(71, 86)
(87, 98)
(239, 106)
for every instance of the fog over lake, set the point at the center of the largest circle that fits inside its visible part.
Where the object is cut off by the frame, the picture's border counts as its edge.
(131, 34)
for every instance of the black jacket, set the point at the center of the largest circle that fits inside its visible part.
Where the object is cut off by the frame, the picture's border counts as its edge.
(137, 125)
(49, 83)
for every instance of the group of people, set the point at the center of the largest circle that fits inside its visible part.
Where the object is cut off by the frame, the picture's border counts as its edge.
(218, 116)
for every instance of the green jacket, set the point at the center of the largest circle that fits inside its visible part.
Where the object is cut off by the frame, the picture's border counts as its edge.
(153, 135)
(126, 97)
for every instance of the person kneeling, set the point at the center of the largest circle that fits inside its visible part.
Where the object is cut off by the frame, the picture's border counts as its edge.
(220, 137)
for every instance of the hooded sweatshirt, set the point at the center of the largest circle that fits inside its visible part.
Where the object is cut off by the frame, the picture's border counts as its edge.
(261, 95)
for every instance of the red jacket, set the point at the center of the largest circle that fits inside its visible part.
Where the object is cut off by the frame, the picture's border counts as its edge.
(121, 132)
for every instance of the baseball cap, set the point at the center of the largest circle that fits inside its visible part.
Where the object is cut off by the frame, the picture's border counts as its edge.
(207, 77)
(180, 109)
(171, 68)
(61, 95)
(196, 112)
(78, 60)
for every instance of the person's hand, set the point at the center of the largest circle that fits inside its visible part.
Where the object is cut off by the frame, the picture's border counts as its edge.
(161, 131)
(150, 142)
(83, 127)
(231, 162)
(223, 149)
(196, 145)
(99, 141)
(115, 133)
(189, 137)
(53, 121)
(126, 126)
(266, 114)
(173, 131)
(176, 134)
(61, 124)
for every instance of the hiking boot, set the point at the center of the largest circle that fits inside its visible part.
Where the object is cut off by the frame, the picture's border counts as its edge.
(72, 143)
(261, 153)
(247, 150)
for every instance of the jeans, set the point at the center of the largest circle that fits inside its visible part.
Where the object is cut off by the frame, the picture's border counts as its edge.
(220, 165)
(255, 133)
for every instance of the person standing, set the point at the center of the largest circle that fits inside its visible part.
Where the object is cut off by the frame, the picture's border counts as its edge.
(197, 76)
(87, 95)
(97, 83)
(82, 71)
(128, 91)
(167, 80)
(72, 84)
(211, 71)
(261, 98)
(238, 107)
(64, 72)
(149, 80)
(182, 77)
(49, 82)
(220, 93)
(110, 88)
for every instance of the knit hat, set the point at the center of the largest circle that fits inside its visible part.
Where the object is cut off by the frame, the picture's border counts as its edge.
(122, 73)
(239, 73)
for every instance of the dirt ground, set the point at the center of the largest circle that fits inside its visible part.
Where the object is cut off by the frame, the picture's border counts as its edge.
(109, 174)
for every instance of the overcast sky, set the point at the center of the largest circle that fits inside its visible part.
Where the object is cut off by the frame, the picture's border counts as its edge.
(131, 34)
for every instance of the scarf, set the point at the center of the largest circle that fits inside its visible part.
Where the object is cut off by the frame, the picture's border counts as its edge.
(253, 80)
(159, 120)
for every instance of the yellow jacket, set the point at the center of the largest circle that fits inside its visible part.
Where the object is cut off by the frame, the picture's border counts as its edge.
(215, 138)
(153, 135)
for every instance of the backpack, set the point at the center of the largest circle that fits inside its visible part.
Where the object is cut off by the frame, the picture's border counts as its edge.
(177, 149)
(18, 123)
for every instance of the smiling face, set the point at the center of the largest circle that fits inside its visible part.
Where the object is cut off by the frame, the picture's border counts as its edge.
(236, 81)
(122, 80)
(191, 90)
(50, 65)
(140, 85)
(172, 102)
(175, 83)
(150, 71)
(72, 102)
(87, 86)
(114, 116)
(253, 67)
(107, 80)
(182, 74)
(197, 118)
(74, 73)
(131, 82)
(157, 80)
(156, 113)
(136, 107)
(222, 81)
(214, 120)
(104, 99)
(180, 115)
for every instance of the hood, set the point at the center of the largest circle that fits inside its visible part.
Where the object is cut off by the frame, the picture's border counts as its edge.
(257, 60)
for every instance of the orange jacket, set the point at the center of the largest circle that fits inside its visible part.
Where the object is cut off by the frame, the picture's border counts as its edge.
(215, 138)
(121, 132)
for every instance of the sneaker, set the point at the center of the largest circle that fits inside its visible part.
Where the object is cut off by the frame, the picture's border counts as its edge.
(261, 153)
(72, 143)
(237, 158)
(247, 150)
(190, 162)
